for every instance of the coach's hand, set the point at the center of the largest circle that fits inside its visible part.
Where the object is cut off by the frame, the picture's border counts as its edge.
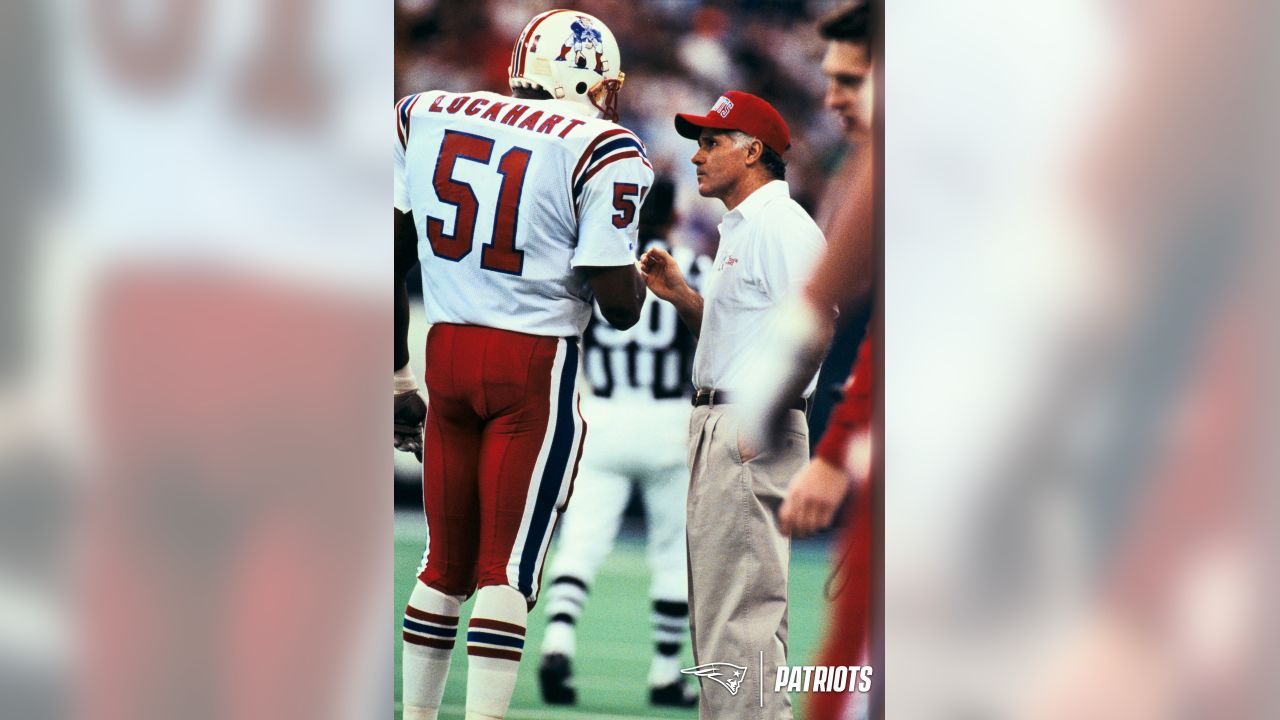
(815, 495)
(662, 275)
(410, 415)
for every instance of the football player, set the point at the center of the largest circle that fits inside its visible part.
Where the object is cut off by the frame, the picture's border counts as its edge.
(520, 210)
(640, 385)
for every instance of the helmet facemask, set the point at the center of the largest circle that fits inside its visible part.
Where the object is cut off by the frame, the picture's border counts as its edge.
(604, 96)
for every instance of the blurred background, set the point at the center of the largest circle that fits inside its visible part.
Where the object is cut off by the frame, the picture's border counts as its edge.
(1080, 388)
(193, 502)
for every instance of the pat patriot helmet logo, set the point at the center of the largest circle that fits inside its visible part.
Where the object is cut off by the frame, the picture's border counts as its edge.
(727, 674)
(584, 37)
(722, 106)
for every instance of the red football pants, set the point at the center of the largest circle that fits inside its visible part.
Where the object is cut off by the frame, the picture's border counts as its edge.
(503, 439)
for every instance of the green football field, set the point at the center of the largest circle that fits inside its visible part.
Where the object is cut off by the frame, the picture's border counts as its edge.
(614, 645)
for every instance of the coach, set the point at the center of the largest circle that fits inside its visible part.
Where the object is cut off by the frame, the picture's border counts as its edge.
(738, 558)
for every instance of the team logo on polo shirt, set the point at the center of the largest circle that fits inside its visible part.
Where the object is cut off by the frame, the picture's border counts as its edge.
(722, 106)
(728, 675)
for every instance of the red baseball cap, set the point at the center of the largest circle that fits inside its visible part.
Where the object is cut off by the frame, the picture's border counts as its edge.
(740, 111)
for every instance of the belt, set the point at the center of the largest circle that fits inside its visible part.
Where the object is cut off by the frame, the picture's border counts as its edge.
(721, 397)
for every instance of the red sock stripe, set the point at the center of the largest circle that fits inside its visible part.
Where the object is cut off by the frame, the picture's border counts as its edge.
(487, 624)
(511, 655)
(439, 643)
(417, 614)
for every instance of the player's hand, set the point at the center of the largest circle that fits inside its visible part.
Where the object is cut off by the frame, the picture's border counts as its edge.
(662, 274)
(410, 416)
(815, 495)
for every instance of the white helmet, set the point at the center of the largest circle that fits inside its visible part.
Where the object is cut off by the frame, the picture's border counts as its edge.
(572, 56)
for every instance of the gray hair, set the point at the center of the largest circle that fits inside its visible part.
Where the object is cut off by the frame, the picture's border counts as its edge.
(741, 140)
(771, 160)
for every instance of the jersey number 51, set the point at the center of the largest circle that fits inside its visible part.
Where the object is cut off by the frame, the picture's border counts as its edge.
(500, 253)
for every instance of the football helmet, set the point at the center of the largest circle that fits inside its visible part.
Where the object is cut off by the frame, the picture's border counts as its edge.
(571, 55)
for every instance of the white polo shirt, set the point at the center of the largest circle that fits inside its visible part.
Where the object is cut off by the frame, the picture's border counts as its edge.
(768, 248)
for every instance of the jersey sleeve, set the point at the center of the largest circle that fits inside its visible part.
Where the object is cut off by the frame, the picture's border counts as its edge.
(609, 185)
(400, 188)
(401, 191)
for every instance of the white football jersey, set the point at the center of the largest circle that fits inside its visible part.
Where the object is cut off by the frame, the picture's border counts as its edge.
(513, 199)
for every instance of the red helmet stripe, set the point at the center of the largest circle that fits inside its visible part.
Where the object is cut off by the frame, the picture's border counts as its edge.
(522, 46)
(515, 54)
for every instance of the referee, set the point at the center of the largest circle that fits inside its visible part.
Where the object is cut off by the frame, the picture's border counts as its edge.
(738, 558)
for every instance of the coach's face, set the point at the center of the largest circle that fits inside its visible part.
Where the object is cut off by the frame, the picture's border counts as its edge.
(847, 66)
(720, 163)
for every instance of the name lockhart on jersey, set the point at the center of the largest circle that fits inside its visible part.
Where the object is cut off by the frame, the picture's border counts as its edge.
(507, 112)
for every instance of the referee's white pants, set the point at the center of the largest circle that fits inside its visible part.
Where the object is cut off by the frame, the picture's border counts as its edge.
(590, 526)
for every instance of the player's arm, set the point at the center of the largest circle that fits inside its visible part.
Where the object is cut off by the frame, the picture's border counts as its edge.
(406, 235)
(406, 257)
(663, 276)
(409, 408)
(619, 292)
(846, 274)
(609, 188)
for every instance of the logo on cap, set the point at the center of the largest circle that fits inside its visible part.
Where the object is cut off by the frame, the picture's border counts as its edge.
(722, 106)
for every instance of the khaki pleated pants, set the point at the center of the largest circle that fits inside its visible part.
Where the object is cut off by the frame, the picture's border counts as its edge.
(738, 561)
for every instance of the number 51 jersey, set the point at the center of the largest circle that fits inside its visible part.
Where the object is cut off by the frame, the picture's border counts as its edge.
(512, 199)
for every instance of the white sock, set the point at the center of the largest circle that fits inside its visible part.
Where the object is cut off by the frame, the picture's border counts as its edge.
(564, 600)
(670, 625)
(560, 638)
(495, 642)
(663, 670)
(430, 630)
